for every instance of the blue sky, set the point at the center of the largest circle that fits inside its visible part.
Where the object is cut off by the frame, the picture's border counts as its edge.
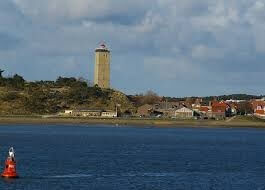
(175, 48)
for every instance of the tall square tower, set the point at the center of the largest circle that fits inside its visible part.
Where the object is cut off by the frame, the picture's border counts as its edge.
(102, 67)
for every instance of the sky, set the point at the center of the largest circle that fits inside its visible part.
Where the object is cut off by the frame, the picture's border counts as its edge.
(172, 47)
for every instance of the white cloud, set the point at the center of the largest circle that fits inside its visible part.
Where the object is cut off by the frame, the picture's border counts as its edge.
(191, 27)
(170, 38)
(79, 9)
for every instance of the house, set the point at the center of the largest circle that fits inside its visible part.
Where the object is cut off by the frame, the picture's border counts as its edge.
(196, 107)
(90, 113)
(87, 113)
(165, 105)
(167, 112)
(234, 101)
(233, 108)
(204, 109)
(220, 110)
(68, 112)
(260, 111)
(197, 104)
(165, 108)
(258, 104)
(145, 110)
(184, 113)
(109, 113)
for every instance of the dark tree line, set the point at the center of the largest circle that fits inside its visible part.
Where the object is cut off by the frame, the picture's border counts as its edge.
(149, 97)
(15, 82)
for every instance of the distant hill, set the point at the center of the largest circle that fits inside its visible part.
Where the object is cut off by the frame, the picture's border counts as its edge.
(222, 97)
(234, 97)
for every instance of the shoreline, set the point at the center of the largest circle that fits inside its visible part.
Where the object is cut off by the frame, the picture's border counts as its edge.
(170, 123)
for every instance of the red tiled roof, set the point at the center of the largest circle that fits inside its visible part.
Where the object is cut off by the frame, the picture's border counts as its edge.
(219, 104)
(219, 107)
(204, 109)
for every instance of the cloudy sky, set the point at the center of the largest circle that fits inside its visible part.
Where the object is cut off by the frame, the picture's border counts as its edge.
(173, 47)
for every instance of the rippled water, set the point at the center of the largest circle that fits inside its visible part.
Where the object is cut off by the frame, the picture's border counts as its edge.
(120, 158)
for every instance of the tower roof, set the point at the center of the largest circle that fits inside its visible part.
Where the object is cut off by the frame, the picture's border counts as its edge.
(102, 48)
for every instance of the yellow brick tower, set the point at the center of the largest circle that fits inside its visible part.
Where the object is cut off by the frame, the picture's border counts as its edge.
(102, 67)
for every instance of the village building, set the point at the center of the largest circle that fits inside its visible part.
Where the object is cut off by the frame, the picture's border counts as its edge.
(258, 107)
(184, 113)
(257, 104)
(68, 112)
(148, 110)
(260, 110)
(90, 113)
(166, 112)
(220, 110)
(205, 112)
(234, 101)
(145, 110)
(196, 107)
(109, 113)
(165, 108)
(165, 105)
(87, 113)
(233, 108)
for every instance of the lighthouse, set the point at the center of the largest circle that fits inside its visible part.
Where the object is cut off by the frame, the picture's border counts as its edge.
(102, 67)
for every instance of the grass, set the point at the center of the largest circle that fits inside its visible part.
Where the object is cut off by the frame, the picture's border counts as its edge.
(247, 119)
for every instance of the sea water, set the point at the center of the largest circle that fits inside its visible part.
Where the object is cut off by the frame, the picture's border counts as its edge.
(121, 158)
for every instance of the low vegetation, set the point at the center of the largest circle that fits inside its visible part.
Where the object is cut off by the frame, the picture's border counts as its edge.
(49, 97)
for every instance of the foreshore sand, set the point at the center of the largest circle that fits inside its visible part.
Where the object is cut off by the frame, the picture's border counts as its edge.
(22, 120)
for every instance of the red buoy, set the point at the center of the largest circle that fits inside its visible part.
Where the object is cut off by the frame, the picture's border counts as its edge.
(10, 165)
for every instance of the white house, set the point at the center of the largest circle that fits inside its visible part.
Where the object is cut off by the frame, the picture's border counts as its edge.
(109, 114)
(184, 113)
(68, 112)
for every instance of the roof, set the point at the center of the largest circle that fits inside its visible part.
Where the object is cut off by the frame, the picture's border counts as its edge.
(102, 48)
(146, 106)
(184, 109)
(204, 108)
(221, 104)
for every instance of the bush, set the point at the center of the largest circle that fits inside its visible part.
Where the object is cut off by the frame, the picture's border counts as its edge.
(10, 96)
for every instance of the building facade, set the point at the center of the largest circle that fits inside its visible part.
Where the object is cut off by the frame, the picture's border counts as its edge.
(91, 113)
(109, 113)
(184, 113)
(102, 67)
(145, 110)
(220, 110)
